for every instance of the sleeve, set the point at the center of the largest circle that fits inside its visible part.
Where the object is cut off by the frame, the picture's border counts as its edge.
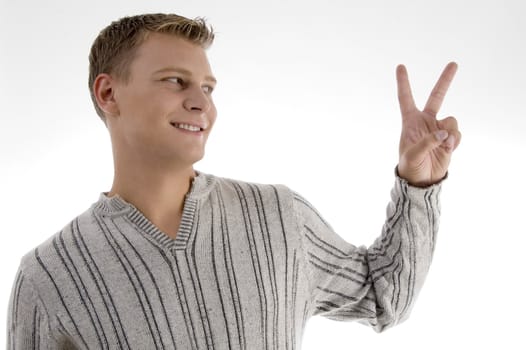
(27, 320)
(375, 286)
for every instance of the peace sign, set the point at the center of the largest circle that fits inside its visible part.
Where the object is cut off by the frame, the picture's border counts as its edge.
(426, 144)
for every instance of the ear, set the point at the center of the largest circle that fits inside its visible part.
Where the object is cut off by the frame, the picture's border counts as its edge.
(104, 89)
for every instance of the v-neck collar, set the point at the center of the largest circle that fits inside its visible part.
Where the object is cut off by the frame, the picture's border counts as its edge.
(202, 185)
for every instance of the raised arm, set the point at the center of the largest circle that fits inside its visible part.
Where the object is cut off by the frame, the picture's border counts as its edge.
(378, 285)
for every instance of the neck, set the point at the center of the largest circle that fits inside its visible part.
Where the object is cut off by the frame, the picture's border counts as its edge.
(159, 196)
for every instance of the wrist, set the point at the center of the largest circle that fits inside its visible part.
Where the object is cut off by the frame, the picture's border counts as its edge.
(420, 184)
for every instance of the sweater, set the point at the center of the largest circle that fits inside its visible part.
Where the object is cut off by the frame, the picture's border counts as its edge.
(250, 264)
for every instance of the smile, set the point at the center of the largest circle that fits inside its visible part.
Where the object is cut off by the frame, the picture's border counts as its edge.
(187, 127)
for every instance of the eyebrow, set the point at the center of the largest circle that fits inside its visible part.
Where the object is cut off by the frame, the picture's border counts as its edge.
(183, 71)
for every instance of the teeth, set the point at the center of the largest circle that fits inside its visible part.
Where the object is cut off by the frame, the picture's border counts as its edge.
(187, 127)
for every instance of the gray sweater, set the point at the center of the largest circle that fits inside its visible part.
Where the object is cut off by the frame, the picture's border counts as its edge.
(251, 263)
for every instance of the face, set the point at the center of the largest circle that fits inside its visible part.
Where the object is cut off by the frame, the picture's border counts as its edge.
(170, 82)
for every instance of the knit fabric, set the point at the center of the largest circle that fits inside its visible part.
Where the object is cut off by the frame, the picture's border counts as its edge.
(251, 263)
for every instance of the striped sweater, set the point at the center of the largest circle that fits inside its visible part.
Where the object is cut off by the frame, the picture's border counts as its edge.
(251, 263)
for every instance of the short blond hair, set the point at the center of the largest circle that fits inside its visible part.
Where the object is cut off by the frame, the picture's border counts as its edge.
(116, 45)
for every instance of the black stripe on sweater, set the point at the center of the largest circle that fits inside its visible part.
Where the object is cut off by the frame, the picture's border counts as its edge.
(173, 267)
(136, 284)
(412, 256)
(214, 264)
(19, 281)
(97, 277)
(81, 291)
(154, 282)
(232, 280)
(254, 253)
(191, 261)
(304, 201)
(295, 263)
(41, 263)
(270, 260)
(280, 213)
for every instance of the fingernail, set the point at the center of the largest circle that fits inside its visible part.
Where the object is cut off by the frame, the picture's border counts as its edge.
(450, 141)
(441, 135)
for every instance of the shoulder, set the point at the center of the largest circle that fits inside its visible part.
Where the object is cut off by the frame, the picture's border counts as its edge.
(235, 193)
(46, 255)
(233, 186)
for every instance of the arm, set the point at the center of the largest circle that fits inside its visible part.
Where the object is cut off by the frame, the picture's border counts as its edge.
(27, 320)
(376, 286)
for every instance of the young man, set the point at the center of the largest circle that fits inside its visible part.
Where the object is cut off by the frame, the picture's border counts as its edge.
(172, 257)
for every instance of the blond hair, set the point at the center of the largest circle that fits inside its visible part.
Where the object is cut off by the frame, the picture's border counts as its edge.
(116, 45)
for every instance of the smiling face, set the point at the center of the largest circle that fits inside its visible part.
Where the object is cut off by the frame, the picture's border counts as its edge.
(170, 81)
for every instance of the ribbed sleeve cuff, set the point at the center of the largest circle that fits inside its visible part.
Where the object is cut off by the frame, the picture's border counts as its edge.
(406, 183)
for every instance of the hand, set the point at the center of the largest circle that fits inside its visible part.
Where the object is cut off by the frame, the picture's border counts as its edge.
(426, 144)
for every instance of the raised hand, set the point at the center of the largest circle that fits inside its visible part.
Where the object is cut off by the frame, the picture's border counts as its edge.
(426, 144)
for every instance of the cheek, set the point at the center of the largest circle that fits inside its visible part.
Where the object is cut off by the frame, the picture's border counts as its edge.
(147, 107)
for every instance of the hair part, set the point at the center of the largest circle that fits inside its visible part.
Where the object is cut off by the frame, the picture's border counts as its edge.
(116, 46)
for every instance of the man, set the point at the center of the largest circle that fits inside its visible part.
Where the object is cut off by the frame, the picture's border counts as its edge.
(172, 257)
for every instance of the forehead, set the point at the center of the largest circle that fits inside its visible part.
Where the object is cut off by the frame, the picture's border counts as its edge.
(164, 50)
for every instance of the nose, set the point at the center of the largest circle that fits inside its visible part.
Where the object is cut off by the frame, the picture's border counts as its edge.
(196, 99)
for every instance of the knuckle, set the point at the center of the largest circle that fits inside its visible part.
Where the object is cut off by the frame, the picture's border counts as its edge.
(449, 123)
(439, 93)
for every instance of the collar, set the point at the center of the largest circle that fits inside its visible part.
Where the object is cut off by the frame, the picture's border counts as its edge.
(202, 185)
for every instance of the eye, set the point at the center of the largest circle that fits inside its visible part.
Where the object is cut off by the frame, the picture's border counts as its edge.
(176, 80)
(208, 89)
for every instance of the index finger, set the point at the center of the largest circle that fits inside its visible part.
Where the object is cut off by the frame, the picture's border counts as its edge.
(405, 97)
(439, 91)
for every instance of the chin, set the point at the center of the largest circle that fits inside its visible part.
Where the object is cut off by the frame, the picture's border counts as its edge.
(195, 157)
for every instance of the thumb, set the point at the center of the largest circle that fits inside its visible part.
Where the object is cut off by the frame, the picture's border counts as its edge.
(427, 144)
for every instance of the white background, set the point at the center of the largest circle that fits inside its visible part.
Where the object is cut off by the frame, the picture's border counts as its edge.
(306, 97)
